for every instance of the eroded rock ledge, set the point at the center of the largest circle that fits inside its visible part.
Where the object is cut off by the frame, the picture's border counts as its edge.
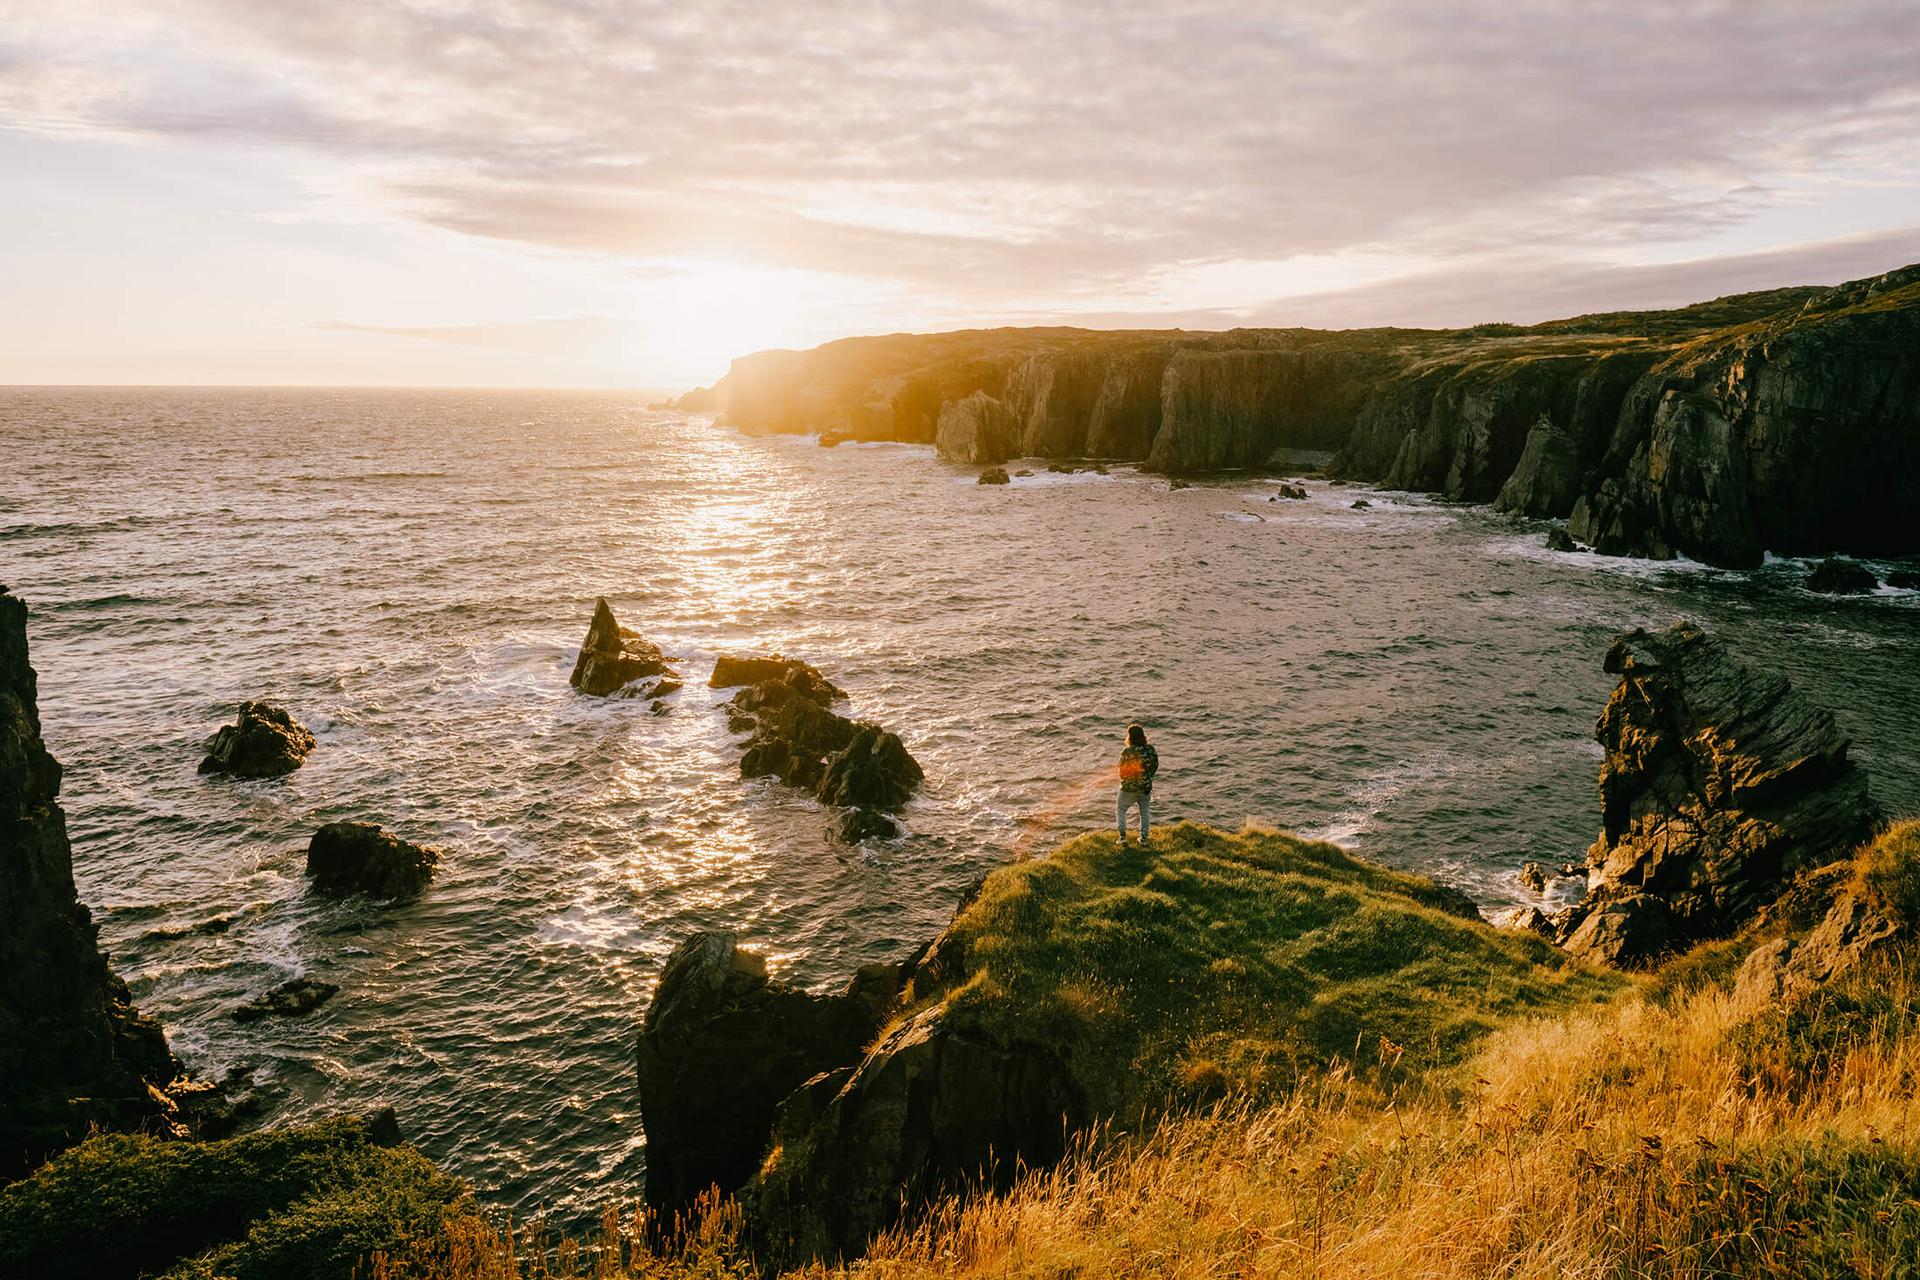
(1786, 420)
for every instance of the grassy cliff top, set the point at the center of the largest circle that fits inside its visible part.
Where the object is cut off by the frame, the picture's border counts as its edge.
(1214, 963)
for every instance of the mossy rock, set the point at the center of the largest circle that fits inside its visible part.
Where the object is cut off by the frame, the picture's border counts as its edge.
(312, 1203)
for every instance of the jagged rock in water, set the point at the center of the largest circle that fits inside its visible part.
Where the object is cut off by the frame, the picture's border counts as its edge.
(290, 999)
(730, 673)
(1561, 540)
(721, 1045)
(1546, 480)
(264, 742)
(1294, 491)
(1719, 782)
(358, 857)
(1361, 504)
(612, 657)
(1836, 577)
(994, 475)
(856, 825)
(977, 429)
(874, 771)
(1905, 579)
(74, 1053)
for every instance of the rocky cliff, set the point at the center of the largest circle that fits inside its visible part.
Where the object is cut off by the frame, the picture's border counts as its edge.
(1786, 420)
(74, 1053)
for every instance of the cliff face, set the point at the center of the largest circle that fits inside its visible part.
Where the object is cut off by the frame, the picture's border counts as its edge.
(1787, 420)
(74, 1053)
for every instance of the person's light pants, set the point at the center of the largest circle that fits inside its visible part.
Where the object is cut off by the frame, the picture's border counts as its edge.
(1139, 800)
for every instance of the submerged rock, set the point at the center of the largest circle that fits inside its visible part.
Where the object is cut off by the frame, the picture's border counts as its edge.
(264, 742)
(1361, 504)
(1720, 782)
(1561, 540)
(856, 825)
(358, 857)
(994, 475)
(288, 1000)
(75, 1055)
(612, 657)
(721, 1045)
(1836, 577)
(1294, 491)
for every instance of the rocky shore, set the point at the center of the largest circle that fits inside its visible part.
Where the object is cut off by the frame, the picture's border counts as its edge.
(1784, 421)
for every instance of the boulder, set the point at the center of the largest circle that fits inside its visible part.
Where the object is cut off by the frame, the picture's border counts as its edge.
(612, 657)
(721, 1045)
(263, 742)
(1546, 479)
(1296, 492)
(856, 825)
(288, 1000)
(875, 771)
(994, 475)
(730, 672)
(977, 429)
(1361, 504)
(75, 1055)
(1905, 579)
(1561, 540)
(358, 857)
(1836, 577)
(1719, 783)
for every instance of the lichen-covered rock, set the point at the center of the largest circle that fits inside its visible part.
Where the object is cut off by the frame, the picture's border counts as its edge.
(612, 657)
(358, 857)
(263, 742)
(1836, 577)
(290, 999)
(1720, 781)
(74, 1053)
(1546, 480)
(976, 429)
(721, 1045)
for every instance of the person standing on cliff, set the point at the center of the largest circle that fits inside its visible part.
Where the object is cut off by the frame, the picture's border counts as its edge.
(1138, 763)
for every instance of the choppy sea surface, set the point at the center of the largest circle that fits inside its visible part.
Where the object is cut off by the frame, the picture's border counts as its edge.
(411, 573)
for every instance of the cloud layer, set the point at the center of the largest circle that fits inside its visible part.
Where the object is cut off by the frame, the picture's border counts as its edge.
(995, 154)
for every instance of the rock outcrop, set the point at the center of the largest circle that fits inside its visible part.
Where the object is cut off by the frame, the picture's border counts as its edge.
(74, 1053)
(358, 857)
(263, 742)
(721, 1046)
(796, 736)
(1546, 480)
(1837, 577)
(612, 659)
(1719, 783)
(977, 429)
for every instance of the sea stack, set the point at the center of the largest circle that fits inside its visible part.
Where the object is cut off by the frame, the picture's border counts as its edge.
(74, 1053)
(612, 658)
(1720, 782)
(264, 741)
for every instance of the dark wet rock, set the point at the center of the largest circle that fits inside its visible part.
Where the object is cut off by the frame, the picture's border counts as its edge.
(1293, 491)
(290, 999)
(1533, 876)
(994, 475)
(977, 429)
(264, 742)
(1720, 782)
(612, 657)
(730, 673)
(358, 857)
(721, 1045)
(75, 1054)
(1546, 479)
(1905, 579)
(874, 770)
(856, 825)
(1836, 577)
(1023, 472)
(1177, 483)
(1361, 504)
(1561, 540)
(1099, 470)
(1061, 468)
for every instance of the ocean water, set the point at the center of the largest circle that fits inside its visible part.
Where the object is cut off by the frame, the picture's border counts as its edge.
(411, 574)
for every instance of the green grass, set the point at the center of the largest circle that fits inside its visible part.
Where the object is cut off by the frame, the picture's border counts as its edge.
(1216, 963)
(313, 1202)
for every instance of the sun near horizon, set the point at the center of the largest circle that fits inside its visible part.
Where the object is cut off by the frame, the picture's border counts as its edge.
(528, 195)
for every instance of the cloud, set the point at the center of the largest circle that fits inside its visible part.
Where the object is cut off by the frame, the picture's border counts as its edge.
(998, 153)
(540, 337)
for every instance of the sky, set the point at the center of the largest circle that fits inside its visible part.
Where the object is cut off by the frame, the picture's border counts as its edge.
(628, 194)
